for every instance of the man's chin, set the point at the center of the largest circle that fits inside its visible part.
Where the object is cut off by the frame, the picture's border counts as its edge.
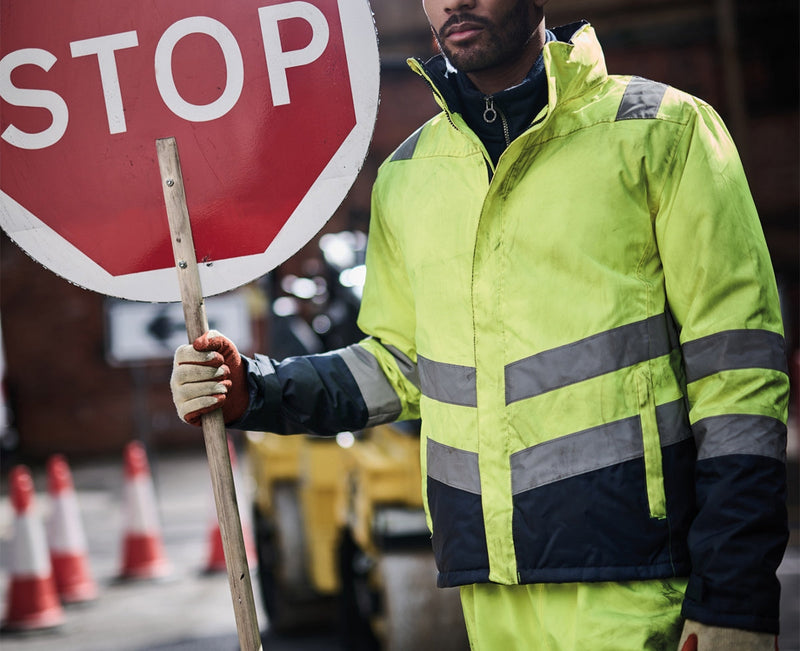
(464, 60)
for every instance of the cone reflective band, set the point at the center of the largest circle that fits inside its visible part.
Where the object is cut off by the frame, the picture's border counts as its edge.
(143, 555)
(32, 601)
(65, 536)
(272, 103)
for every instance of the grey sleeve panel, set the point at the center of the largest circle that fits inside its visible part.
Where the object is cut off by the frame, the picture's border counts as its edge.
(310, 393)
(734, 349)
(407, 367)
(383, 404)
(324, 394)
(718, 436)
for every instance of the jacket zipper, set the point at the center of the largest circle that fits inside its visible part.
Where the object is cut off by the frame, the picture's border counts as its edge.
(446, 111)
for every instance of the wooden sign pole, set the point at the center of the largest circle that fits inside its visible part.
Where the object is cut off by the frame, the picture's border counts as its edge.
(213, 426)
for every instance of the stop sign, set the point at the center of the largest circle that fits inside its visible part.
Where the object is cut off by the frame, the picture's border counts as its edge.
(272, 104)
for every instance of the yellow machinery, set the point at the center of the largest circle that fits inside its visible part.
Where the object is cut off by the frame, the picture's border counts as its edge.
(342, 540)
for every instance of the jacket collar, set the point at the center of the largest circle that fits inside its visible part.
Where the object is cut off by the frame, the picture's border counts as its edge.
(573, 62)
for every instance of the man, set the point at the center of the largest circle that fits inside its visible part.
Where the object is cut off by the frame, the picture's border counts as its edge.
(567, 280)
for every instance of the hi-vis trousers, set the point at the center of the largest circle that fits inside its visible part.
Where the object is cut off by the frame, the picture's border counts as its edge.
(630, 616)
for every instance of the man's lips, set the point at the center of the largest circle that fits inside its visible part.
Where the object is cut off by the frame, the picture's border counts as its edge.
(462, 31)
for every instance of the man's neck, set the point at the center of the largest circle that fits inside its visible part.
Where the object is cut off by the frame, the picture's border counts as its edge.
(493, 80)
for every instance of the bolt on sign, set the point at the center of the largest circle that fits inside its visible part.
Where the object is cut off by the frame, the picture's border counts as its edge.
(272, 104)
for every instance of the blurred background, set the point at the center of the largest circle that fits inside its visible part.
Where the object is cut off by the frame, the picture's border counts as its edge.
(83, 375)
(62, 393)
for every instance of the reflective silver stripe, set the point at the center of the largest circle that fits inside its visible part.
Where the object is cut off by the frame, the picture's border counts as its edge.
(454, 467)
(383, 404)
(407, 367)
(673, 422)
(641, 100)
(596, 355)
(448, 383)
(406, 150)
(733, 349)
(593, 449)
(763, 436)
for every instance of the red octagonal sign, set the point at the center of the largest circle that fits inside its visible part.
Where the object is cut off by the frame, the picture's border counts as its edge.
(272, 104)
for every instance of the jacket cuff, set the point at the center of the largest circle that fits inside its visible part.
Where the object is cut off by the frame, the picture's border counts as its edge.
(701, 605)
(263, 413)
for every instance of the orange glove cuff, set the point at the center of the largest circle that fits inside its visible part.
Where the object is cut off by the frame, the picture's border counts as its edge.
(235, 402)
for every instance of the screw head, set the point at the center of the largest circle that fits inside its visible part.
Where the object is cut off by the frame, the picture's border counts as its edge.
(170, 183)
(182, 264)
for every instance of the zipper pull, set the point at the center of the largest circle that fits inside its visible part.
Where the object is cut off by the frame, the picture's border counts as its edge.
(490, 113)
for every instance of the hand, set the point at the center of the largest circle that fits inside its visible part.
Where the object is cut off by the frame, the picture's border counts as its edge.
(699, 637)
(209, 375)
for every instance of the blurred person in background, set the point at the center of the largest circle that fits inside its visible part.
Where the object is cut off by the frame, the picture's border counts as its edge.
(568, 282)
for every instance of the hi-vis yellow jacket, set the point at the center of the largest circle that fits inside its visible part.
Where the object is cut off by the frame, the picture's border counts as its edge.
(591, 335)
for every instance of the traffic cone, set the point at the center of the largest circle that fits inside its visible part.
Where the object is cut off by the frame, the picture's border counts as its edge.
(216, 555)
(32, 596)
(66, 537)
(143, 552)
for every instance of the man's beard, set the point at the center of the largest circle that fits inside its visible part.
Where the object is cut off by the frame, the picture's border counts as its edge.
(499, 43)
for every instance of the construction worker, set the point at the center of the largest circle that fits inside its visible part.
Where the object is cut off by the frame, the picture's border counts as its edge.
(568, 282)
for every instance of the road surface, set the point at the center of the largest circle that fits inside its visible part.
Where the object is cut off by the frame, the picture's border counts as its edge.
(192, 611)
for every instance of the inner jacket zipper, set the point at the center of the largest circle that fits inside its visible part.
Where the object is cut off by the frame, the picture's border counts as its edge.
(490, 114)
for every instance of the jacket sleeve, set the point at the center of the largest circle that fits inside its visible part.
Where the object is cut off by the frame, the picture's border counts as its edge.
(721, 290)
(372, 382)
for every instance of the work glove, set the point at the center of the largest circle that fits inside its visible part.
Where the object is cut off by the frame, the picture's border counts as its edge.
(699, 637)
(208, 375)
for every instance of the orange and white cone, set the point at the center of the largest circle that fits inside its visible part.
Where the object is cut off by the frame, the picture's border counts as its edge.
(216, 553)
(32, 601)
(143, 551)
(66, 537)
